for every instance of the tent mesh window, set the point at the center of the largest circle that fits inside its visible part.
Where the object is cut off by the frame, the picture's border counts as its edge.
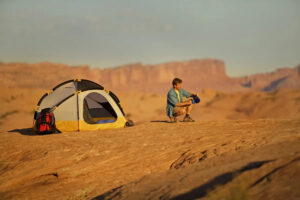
(97, 110)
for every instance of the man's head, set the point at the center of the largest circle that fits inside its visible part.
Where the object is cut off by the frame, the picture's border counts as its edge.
(177, 83)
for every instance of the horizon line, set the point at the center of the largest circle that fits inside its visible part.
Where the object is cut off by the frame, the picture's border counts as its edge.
(92, 66)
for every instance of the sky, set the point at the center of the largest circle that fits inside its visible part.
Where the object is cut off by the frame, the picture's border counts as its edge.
(250, 36)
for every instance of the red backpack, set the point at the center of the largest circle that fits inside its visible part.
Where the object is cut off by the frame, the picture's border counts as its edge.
(45, 124)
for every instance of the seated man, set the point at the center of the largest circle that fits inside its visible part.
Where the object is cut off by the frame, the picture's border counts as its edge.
(177, 105)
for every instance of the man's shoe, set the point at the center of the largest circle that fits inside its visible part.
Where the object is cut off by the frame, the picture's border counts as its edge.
(187, 119)
(173, 119)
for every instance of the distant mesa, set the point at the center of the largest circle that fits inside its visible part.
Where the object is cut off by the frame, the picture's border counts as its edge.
(197, 74)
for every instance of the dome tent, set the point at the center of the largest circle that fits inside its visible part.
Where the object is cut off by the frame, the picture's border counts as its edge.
(82, 105)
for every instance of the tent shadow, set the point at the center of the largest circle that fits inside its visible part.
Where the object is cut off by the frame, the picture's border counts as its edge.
(25, 131)
(29, 132)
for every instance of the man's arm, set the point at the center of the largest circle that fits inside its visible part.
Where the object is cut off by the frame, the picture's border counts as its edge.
(173, 99)
(187, 102)
(182, 104)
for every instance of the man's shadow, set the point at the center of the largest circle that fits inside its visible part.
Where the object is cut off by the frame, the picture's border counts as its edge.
(160, 121)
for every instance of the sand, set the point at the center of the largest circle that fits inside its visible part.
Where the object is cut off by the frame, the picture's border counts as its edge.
(244, 145)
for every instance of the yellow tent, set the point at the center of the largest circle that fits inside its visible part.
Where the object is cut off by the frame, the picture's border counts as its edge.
(82, 105)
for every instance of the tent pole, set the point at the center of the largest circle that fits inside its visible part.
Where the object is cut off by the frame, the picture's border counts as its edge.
(78, 113)
(77, 102)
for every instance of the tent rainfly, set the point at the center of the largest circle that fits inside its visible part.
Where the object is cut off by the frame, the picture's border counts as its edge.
(82, 105)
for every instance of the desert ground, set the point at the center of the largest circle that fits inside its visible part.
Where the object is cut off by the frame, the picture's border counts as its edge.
(243, 145)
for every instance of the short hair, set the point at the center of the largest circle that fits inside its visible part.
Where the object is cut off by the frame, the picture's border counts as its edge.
(176, 81)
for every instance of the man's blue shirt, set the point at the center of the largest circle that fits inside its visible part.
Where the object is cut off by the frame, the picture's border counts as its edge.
(172, 99)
